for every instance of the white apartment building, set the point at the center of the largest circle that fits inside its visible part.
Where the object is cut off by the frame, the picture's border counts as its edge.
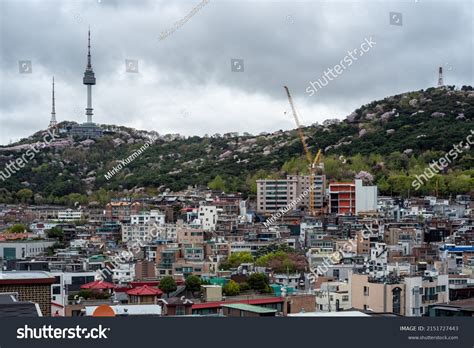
(288, 280)
(333, 297)
(123, 273)
(207, 215)
(20, 250)
(379, 259)
(69, 215)
(421, 292)
(67, 282)
(145, 217)
(149, 232)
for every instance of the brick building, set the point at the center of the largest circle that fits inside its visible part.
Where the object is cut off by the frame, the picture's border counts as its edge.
(30, 286)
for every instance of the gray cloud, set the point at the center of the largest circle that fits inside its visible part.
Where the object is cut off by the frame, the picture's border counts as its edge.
(185, 84)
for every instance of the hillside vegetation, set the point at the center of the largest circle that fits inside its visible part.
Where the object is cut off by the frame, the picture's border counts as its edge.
(392, 139)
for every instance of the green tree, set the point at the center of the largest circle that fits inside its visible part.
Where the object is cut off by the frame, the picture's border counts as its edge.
(383, 185)
(24, 195)
(283, 262)
(193, 283)
(55, 233)
(167, 285)
(460, 184)
(18, 228)
(217, 184)
(236, 259)
(231, 288)
(296, 165)
(259, 282)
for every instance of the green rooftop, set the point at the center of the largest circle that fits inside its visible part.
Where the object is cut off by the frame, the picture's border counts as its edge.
(249, 308)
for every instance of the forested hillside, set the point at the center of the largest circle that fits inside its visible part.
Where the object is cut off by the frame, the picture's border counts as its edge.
(392, 139)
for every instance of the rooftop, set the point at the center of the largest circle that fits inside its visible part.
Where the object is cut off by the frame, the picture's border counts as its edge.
(249, 308)
(16, 275)
(145, 290)
(330, 314)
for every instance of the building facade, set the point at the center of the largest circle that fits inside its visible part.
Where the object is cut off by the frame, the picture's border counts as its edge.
(275, 194)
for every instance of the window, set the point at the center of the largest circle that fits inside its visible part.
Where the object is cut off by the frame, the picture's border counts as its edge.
(56, 290)
(366, 291)
(396, 300)
(180, 310)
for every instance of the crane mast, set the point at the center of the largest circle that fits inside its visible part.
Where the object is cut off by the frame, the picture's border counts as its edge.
(312, 164)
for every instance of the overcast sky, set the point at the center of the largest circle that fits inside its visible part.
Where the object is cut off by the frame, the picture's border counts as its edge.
(184, 82)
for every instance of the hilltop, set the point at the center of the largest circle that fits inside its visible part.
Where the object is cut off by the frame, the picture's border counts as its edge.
(393, 139)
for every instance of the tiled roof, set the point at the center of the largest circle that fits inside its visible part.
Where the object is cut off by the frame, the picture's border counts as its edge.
(144, 290)
(98, 284)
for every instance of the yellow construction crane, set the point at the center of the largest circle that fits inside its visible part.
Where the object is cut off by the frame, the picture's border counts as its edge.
(312, 164)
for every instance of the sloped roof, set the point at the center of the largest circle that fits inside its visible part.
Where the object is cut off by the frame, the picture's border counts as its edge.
(145, 290)
(98, 284)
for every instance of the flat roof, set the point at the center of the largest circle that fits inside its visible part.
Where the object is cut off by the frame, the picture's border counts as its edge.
(249, 308)
(218, 304)
(26, 278)
(330, 314)
(25, 275)
(137, 309)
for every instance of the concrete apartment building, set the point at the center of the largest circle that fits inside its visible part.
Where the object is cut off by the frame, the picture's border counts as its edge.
(275, 194)
(145, 270)
(422, 292)
(311, 230)
(144, 226)
(407, 296)
(69, 215)
(333, 297)
(23, 249)
(342, 198)
(379, 296)
(66, 283)
(208, 217)
(405, 234)
(121, 210)
(138, 232)
(147, 216)
(188, 235)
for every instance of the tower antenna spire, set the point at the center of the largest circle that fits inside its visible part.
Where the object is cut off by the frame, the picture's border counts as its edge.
(440, 77)
(89, 65)
(53, 121)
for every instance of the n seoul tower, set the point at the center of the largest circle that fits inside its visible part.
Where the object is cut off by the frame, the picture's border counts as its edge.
(89, 81)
